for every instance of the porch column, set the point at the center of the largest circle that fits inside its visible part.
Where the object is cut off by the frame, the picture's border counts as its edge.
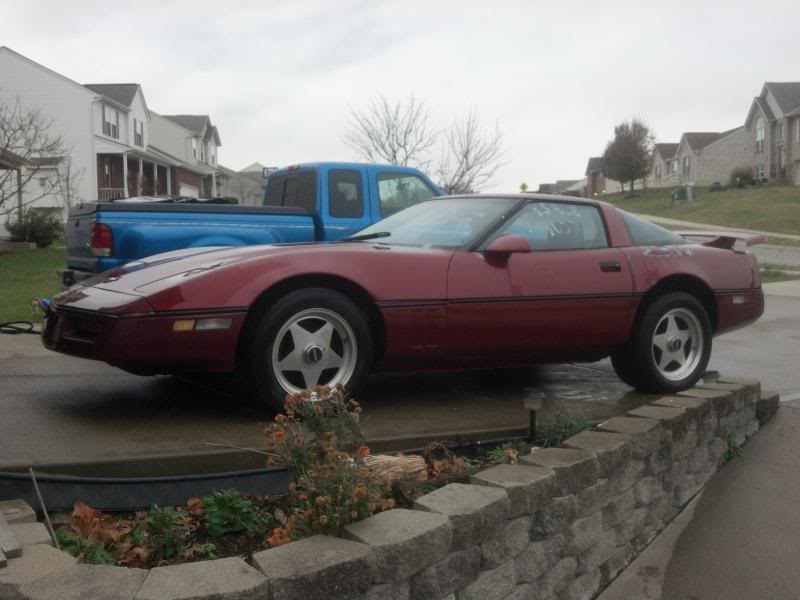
(169, 180)
(139, 178)
(125, 175)
(213, 185)
(155, 178)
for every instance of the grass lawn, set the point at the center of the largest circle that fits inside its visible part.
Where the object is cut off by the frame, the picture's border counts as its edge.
(26, 275)
(765, 208)
(773, 273)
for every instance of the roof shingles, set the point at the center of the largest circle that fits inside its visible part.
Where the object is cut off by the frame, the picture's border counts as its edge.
(122, 93)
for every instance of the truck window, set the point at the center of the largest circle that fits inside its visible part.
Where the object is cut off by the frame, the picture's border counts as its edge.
(397, 191)
(297, 189)
(344, 193)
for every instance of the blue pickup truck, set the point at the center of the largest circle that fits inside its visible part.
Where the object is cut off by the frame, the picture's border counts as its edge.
(302, 203)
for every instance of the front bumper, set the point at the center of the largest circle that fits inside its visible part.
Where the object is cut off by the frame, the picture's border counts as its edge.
(143, 343)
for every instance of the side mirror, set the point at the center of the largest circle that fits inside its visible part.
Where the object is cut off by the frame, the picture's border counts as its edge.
(506, 245)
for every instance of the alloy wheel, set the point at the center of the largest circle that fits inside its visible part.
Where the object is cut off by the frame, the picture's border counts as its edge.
(677, 344)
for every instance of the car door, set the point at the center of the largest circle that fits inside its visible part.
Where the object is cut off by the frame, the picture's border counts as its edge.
(344, 202)
(569, 298)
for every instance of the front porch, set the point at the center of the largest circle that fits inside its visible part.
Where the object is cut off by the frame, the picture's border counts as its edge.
(126, 176)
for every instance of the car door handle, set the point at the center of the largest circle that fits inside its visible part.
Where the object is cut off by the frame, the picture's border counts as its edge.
(610, 266)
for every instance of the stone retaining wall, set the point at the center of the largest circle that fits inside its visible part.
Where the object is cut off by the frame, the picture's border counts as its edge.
(559, 525)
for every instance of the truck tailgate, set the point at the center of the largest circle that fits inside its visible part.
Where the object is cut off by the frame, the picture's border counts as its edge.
(77, 234)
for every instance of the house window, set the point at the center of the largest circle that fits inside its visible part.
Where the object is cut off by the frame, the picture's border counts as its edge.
(138, 133)
(686, 165)
(760, 134)
(194, 147)
(673, 167)
(780, 131)
(758, 172)
(797, 130)
(658, 171)
(110, 122)
(203, 151)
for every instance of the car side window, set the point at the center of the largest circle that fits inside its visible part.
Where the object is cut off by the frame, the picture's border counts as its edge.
(558, 226)
(344, 193)
(397, 191)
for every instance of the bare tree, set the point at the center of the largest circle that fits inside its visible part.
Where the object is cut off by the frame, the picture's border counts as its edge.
(394, 132)
(28, 152)
(471, 156)
(68, 180)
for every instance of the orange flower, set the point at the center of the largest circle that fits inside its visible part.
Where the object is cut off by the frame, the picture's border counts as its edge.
(278, 436)
(363, 451)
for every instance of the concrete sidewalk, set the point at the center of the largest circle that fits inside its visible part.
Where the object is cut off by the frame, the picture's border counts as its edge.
(738, 540)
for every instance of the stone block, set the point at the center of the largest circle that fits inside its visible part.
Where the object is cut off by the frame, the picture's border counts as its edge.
(584, 533)
(767, 407)
(557, 578)
(402, 541)
(658, 512)
(647, 491)
(628, 528)
(575, 469)
(527, 486)
(9, 543)
(494, 584)
(400, 590)
(221, 579)
(317, 568)
(722, 402)
(619, 509)
(698, 408)
(611, 449)
(538, 558)
(524, 591)
(684, 445)
(626, 478)
(687, 489)
(582, 588)
(591, 559)
(619, 560)
(717, 450)
(707, 428)
(592, 498)
(17, 511)
(475, 511)
(36, 562)
(674, 419)
(749, 389)
(659, 461)
(456, 571)
(512, 539)
(30, 534)
(645, 434)
(674, 475)
(554, 518)
(82, 582)
(697, 460)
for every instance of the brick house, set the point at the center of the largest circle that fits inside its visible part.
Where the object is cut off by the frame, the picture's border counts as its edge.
(597, 184)
(706, 157)
(665, 168)
(773, 132)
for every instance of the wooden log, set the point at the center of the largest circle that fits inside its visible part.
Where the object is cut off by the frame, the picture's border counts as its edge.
(392, 468)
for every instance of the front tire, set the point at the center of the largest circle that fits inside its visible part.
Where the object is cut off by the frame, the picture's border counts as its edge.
(310, 337)
(669, 348)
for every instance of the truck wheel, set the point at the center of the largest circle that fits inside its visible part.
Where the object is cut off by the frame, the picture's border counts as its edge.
(310, 337)
(669, 348)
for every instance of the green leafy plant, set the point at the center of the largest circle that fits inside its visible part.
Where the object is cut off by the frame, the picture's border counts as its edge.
(164, 531)
(507, 452)
(560, 428)
(227, 511)
(84, 549)
(733, 450)
(35, 226)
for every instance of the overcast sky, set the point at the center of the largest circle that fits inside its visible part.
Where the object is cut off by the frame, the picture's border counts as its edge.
(279, 78)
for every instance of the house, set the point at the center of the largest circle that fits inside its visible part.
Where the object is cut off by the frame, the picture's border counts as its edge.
(247, 186)
(111, 149)
(597, 184)
(706, 157)
(192, 143)
(773, 132)
(664, 172)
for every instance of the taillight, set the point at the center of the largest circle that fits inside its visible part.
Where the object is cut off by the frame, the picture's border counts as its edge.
(101, 239)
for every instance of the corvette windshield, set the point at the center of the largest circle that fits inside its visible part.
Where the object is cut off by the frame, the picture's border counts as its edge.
(448, 223)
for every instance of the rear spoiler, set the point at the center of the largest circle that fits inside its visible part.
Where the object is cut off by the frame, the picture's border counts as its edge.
(724, 239)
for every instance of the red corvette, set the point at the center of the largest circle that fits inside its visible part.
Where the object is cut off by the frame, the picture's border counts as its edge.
(469, 282)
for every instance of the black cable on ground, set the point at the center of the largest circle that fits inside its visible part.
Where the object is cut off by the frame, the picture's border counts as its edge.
(17, 327)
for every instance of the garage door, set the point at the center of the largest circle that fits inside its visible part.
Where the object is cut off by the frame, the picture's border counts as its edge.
(188, 190)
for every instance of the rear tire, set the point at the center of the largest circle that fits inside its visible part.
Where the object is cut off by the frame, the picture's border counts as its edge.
(310, 337)
(669, 348)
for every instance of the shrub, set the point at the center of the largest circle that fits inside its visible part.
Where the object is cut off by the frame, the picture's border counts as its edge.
(560, 428)
(742, 176)
(84, 549)
(163, 531)
(35, 226)
(319, 439)
(227, 511)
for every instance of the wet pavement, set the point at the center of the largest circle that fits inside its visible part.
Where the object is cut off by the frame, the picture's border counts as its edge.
(61, 411)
